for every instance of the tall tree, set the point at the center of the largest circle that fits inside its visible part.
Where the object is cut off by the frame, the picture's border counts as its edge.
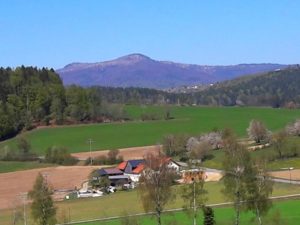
(279, 142)
(258, 131)
(259, 187)
(155, 184)
(235, 165)
(175, 144)
(42, 208)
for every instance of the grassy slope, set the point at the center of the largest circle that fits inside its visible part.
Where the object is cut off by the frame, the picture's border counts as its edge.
(191, 120)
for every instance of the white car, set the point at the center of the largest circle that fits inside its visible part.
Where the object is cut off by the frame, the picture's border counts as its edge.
(111, 189)
(85, 194)
(97, 193)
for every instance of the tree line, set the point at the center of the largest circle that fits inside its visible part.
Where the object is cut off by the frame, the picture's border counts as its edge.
(31, 97)
(273, 89)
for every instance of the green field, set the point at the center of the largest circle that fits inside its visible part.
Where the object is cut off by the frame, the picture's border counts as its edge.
(289, 215)
(129, 202)
(190, 120)
(12, 166)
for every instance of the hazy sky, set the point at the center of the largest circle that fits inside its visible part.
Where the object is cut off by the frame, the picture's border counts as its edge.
(54, 33)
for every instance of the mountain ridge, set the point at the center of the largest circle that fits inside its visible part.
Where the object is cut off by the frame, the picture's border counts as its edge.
(138, 70)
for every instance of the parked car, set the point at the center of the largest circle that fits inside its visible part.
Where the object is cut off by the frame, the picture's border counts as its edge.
(97, 193)
(111, 189)
(85, 194)
(89, 193)
(128, 186)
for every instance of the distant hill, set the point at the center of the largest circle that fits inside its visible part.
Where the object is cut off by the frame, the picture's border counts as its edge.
(277, 89)
(137, 70)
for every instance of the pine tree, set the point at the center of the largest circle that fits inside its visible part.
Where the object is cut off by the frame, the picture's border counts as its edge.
(209, 216)
(42, 209)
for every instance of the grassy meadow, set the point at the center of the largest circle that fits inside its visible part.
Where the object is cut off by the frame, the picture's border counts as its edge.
(283, 212)
(128, 201)
(10, 166)
(189, 120)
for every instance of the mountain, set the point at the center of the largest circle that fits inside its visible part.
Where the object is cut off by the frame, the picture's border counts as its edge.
(137, 70)
(278, 88)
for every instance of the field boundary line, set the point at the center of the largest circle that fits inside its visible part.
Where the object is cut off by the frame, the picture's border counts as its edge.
(169, 210)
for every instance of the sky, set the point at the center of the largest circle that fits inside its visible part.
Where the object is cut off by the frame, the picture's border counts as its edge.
(207, 32)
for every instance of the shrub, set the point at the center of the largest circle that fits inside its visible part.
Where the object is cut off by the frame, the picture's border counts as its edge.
(59, 156)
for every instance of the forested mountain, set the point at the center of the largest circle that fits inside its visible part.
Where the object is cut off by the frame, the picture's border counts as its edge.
(137, 70)
(279, 88)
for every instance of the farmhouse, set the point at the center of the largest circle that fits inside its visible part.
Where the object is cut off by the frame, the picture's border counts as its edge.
(177, 166)
(130, 171)
(132, 168)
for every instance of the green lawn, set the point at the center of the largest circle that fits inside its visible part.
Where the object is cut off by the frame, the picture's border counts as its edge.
(190, 120)
(16, 166)
(288, 210)
(129, 202)
(120, 202)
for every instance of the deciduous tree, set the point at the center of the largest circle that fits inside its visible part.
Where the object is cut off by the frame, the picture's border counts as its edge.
(235, 165)
(279, 142)
(42, 208)
(258, 132)
(155, 185)
(259, 187)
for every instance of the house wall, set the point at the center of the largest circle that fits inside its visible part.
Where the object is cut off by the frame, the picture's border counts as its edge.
(174, 166)
(134, 177)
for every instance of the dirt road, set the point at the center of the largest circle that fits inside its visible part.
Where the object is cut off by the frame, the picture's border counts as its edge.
(286, 174)
(127, 153)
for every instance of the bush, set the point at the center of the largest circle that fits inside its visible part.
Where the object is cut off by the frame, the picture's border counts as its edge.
(59, 156)
(100, 160)
(23, 153)
(111, 158)
(149, 116)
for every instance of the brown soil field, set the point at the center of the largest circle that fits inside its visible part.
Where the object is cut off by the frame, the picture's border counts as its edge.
(293, 174)
(13, 184)
(127, 153)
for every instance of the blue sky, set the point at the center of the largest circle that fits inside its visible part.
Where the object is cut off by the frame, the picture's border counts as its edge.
(54, 33)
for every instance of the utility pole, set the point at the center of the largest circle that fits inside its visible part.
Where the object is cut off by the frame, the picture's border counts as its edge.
(24, 198)
(194, 196)
(45, 176)
(90, 141)
(290, 169)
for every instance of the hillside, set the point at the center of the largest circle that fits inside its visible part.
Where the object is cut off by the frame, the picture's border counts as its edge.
(277, 89)
(137, 70)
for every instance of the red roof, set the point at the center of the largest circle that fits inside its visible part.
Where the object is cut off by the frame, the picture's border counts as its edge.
(138, 169)
(122, 165)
